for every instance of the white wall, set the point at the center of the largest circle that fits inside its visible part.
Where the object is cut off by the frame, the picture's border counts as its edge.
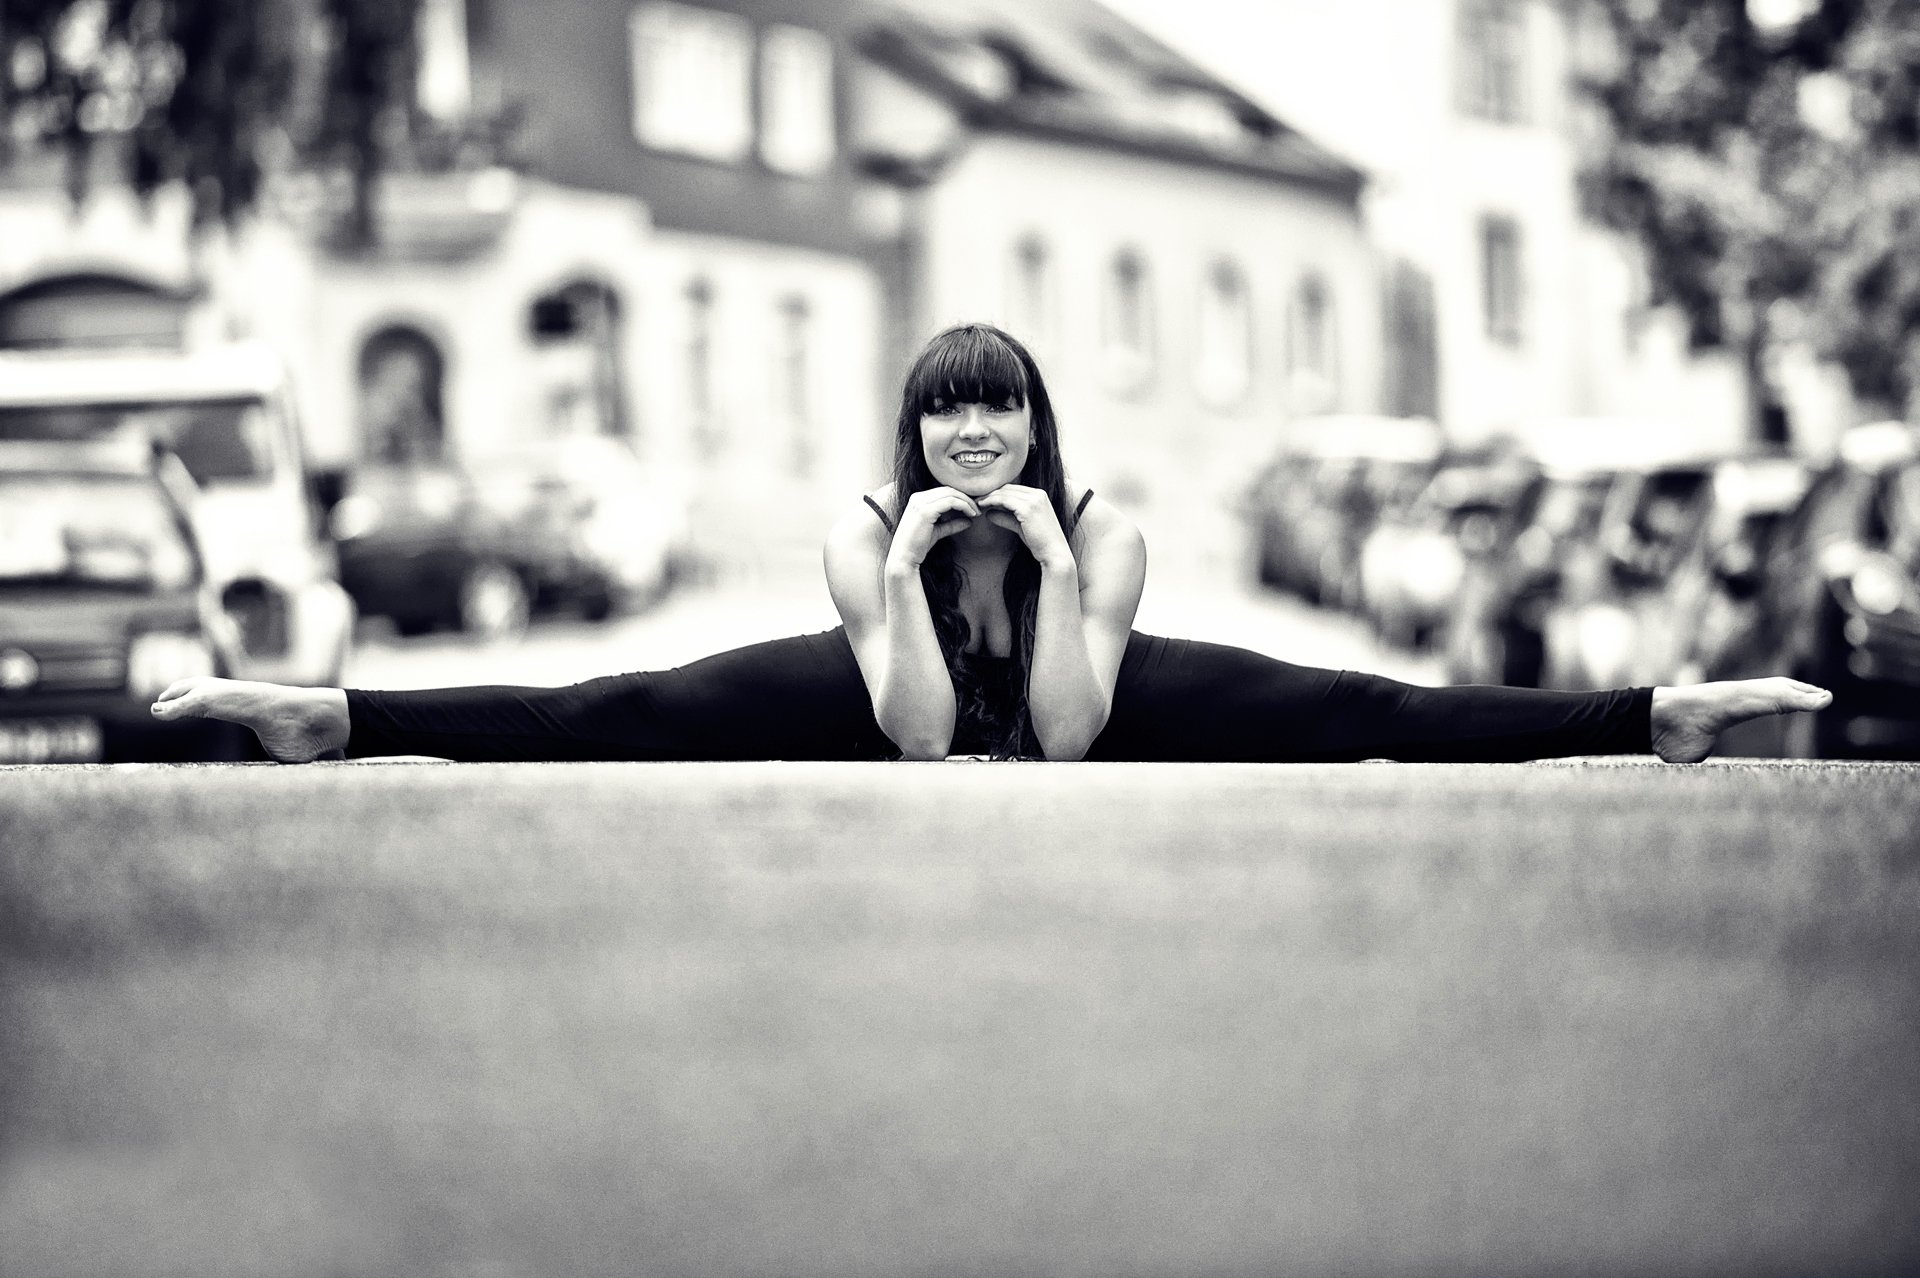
(112, 232)
(1171, 458)
(754, 509)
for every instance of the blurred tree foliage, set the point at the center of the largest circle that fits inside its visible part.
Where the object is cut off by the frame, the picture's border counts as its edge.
(1771, 172)
(220, 95)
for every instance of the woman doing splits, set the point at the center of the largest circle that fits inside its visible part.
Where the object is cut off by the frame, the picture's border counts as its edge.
(987, 607)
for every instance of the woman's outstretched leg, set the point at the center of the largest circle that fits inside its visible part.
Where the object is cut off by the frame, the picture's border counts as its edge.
(1181, 699)
(796, 698)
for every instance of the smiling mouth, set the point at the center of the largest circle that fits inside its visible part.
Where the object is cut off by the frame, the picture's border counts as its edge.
(976, 459)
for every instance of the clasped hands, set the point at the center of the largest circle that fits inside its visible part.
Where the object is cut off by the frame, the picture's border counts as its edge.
(936, 513)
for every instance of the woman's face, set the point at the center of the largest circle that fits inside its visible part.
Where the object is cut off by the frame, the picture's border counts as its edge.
(976, 448)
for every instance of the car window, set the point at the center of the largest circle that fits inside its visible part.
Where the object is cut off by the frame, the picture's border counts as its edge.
(114, 531)
(224, 439)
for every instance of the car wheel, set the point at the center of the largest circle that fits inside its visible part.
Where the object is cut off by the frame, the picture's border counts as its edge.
(494, 602)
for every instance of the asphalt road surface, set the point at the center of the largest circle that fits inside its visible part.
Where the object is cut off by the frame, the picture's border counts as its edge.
(903, 1019)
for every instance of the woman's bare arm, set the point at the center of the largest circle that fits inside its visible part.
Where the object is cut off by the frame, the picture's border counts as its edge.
(874, 579)
(1086, 612)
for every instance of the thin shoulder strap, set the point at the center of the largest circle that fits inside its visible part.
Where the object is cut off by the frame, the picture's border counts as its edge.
(1080, 510)
(876, 510)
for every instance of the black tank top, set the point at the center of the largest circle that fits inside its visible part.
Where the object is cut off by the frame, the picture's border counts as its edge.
(994, 680)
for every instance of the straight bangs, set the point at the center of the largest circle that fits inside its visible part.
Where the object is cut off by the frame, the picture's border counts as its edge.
(969, 366)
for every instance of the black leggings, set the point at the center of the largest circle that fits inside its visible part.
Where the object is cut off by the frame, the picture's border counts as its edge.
(1176, 700)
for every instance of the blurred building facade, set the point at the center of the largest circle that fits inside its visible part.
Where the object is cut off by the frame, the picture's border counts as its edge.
(1507, 312)
(1191, 271)
(724, 226)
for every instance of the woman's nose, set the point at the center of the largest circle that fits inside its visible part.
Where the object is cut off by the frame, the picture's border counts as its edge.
(974, 422)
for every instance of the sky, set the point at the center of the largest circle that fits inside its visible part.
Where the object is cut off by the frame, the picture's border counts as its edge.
(1275, 52)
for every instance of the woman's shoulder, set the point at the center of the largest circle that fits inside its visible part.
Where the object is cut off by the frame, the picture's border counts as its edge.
(865, 521)
(1099, 519)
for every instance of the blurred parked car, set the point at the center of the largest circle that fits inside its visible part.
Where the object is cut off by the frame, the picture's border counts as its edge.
(1279, 503)
(229, 416)
(1412, 564)
(417, 547)
(1494, 632)
(1608, 616)
(607, 536)
(1591, 501)
(1709, 610)
(1837, 602)
(104, 601)
(1315, 503)
(553, 524)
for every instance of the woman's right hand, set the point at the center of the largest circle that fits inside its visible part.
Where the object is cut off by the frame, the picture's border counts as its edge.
(931, 514)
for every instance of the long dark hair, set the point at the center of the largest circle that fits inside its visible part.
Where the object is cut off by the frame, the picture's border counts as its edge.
(980, 364)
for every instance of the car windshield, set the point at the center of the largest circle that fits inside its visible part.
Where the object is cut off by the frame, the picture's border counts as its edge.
(217, 439)
(99, 531)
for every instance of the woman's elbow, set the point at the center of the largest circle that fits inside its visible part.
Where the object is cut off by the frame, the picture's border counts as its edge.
(1069, 743)
(921, 750)
(918, 744)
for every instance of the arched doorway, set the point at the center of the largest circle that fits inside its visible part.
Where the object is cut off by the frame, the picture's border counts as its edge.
(401, 382)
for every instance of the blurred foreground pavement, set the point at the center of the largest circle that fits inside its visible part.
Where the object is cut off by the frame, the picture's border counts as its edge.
(698, 620)
(897, 1019)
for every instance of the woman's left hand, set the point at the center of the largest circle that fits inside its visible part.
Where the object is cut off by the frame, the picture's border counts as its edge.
(1027, 511)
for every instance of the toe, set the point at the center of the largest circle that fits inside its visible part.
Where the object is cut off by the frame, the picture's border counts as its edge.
(178, 688)
(1795, 695)
(1811, 697)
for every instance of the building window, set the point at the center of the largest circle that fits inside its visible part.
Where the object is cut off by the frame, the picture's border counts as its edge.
(1030, 292)
(1127, 337)
(1413, 342)
(1313, 365)
(792, 378)
(1492, 60)
(796, 100)
(691, 90)
(444, 88)
(1501, 281)
(1224, 372)
(709, 433)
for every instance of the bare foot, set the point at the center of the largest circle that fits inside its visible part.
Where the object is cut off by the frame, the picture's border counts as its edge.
(295, 725)
(1686, 720)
